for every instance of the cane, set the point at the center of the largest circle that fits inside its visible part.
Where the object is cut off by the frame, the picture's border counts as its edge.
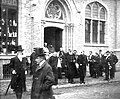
(13, 78)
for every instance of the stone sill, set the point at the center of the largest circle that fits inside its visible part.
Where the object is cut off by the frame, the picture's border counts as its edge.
(6, 57)
(96, 45)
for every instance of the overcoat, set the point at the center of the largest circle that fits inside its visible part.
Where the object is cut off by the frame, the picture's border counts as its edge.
(18, 84)
(71, 68)
(82, 65)
(43, 80)
(53, 60)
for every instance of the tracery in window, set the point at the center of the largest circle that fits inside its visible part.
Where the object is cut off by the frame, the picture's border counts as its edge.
(95, 10)
(54, 11)
(102, 13)
(88, 11)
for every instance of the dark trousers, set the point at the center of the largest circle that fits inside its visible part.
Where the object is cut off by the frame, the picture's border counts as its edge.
(101, 69)
(91, 69)
(59, 73)
(112, 72)
(107, 72)
(82, 73)
(56, 79)
(18, 95)
(71, 72)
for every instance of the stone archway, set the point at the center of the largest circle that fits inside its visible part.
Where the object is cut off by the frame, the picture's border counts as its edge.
(58, 14)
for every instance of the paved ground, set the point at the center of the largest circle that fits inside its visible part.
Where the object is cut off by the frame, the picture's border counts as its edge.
(62, 83)
(109, 90)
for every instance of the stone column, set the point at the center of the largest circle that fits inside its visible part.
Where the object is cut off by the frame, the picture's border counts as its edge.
(42, 32)
(66, 37)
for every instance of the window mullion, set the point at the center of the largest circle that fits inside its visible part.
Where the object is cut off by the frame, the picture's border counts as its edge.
(98, 39)
(91, 33)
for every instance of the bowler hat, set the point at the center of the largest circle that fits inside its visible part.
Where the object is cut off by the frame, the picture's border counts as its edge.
(19, 48)
(39, 52)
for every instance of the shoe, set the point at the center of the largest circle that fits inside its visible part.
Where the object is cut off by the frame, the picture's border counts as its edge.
(106, 79)
(83, 82)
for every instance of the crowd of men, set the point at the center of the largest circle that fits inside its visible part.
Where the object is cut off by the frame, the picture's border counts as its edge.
(47, 66)
(74, 65)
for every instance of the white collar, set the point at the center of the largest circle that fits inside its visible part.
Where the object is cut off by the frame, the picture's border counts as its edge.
(41, 63)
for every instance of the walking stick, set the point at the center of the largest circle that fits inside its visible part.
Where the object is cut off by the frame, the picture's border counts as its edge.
(7, 88)
(12, 79)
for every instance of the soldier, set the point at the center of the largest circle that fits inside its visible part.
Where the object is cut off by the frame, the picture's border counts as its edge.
(81, 60)
(91, 63)
(18, 64)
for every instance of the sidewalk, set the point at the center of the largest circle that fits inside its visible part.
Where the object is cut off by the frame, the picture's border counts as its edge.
(62, 83)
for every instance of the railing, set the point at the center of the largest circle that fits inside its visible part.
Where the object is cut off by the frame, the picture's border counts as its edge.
(6, 71)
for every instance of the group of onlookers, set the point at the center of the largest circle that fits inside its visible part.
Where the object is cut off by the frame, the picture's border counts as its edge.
(47, 66)
(73, 65)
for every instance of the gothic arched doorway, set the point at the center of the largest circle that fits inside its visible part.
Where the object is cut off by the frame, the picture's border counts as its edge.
(53, 36)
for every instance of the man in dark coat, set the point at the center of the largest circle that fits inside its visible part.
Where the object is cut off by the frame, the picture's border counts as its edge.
(108, 65)
(18, 65)
(85, 60)
(96, 70)
(43, 78)
(70, 59)
(82, 67)
(101, 63)
(113, 69)
(53, 60)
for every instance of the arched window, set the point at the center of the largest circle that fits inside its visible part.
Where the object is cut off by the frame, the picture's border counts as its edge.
(95, 19)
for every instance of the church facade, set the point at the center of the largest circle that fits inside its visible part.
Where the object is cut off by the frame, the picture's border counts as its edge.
(71, 24)
(88, 25)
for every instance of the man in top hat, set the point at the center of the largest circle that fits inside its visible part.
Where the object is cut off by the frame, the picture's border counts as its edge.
(18, 65)
(43, 78)
(32, 60)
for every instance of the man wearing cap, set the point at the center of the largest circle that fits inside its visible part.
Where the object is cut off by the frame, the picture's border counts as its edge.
(18, 66)
(43, 78)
